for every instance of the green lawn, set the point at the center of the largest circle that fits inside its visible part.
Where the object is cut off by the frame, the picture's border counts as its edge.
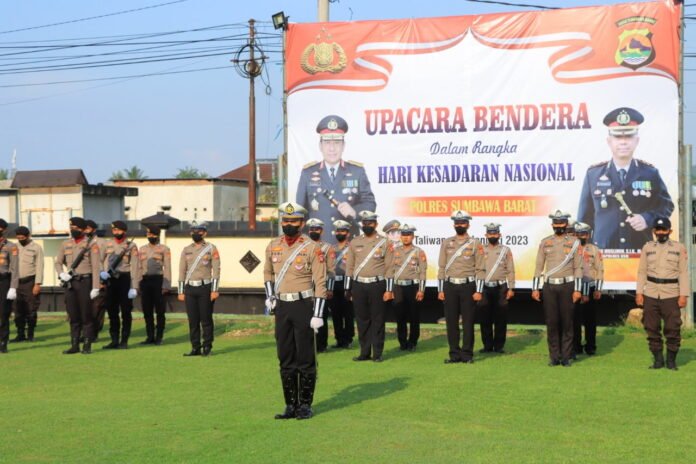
(149, 404)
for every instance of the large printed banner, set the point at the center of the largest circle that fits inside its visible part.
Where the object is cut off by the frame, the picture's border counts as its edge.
(506, 116)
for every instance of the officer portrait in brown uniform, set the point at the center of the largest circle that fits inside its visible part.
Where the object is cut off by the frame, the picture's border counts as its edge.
(31, 268)
(662, 288)
(315, 230)
(120, 273)
(9, 280)
(495, 290)
(592, 283)
(155, 282)
(98, 303)
(406, 278)
(559, 271)
(367, 260)
(460, 264)
(294, 275)
(77, 265)
(199, 282)
(341, 309)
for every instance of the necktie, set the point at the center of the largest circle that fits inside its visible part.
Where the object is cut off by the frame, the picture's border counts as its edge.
(333, 174)
(622, 176)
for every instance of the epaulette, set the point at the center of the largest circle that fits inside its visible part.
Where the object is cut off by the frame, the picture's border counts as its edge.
(310, 164)
(640, 161)
(354, 163)
(596, 165)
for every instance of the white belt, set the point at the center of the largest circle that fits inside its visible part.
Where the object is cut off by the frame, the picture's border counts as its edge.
(198, 283)
(465, 280)
(296, 296)
(338, 278)
(404, 283)
(560, 280)
(495, 283)
(369, 280)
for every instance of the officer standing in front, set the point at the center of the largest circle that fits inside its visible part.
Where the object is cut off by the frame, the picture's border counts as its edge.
(99, 303)
(341, 309)
(295, 282)
(406, 278)
(121, 273)
(199, 280)
(334, 188)
(495, 290)
(460, 264)
(9, 280)
(559, 271)
(367, 259)
(592, 282)
(316, 229)
(31, 268)
(81, 259)
(662, 289)
(155, 284)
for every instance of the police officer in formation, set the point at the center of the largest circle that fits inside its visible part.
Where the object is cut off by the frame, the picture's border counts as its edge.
(155, 284)
(592, 282)
(460, 265)
(406, 277)
(77, 265)
(368, 258)
(121, 275)
(495, 290)
(9, 280)
(315, 230)
(662, 288)
(295, 283)
(30, 269)
(341, 308)
(98, 303)
(559, 272)
(392, 230)
(199, 279)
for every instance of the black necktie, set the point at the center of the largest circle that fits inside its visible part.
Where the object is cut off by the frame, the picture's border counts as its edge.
(333, 174)
(622, 176)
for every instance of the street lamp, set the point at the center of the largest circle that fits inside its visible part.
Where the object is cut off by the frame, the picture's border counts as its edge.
(280, 21)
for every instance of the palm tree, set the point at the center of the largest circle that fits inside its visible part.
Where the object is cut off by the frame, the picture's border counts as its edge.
(189, 172)
(4, 174)
(132, 173)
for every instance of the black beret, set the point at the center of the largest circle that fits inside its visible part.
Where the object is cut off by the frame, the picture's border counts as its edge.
(119, 225)
(78, 222)
(3, 223)
(22, 230)
(153, 230)
(92, 224)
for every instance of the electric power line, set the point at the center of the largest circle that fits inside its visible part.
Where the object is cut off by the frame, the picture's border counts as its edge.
(522, 5)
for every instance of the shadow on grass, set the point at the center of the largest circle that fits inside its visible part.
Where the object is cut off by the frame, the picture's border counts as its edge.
(356, 394)
(525, 339)
(430, 344)
(685, 356)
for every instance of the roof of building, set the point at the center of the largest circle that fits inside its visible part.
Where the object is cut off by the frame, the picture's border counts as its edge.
(49, 178)
(266, 173)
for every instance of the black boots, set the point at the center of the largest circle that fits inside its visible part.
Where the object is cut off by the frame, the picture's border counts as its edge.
(87, 347)
(672, 360)
(306, 396)
(20, 336)
(148, 341)
(193, 352)
(658, 360)
(159, 335)
(3, 347)
(74, 346)
(290, 390)
(111, 346)
(30, 333)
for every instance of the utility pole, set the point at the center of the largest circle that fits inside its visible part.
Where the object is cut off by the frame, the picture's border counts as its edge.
(323, 11)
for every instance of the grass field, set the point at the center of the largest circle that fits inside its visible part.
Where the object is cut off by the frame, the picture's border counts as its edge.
(149, 404)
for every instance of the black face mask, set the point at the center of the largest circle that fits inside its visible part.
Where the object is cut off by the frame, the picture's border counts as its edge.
(583, 241)
(368, 230)
(559, 230)
(493, 240)
(91, 234)
(153, 240)
(460, 230)
(290, 230)
(119, 236)
(76, 233)
(662, 238)
(24, 242)
(197, 237)
(341, 237)
(314, 236)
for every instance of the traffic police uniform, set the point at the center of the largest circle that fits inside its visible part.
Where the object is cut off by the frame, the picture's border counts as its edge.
(642, 189)
(499, 270)
(295, 282)
(9, 280)
(341, 309)
(199, 276)
(366, 262)
(31, 268)
(98, 303)
(320, 190)
(330, 259)
(156, 280)
(592, 281)
(460, 265)
(663, 277)
(406, 277)
(559, 271)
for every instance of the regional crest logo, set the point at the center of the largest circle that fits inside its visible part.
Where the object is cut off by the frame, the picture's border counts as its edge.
(635, 49)
(323, 56)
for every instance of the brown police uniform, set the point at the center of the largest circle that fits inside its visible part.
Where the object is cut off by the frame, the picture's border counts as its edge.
(125, 277)
(341, 309)
(99, 303)
(365, 279)
(31, 269)
(330, 259)
(9, 278)
(559, 271)
(460, 264)
(155, 278)
(406, 276)
(499, 270)
(586, 313)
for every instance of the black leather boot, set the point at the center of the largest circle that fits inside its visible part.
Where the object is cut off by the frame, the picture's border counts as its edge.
(658, 360)
(306, 395)
(113, 345)
(30, 332)
(74, 347)
(87, 347)
(159, 335)
(672, 360)
(20, 336)
(289, 382)
(3, 347)
(193, 352)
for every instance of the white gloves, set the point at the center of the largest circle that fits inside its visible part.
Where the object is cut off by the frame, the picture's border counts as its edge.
(103, 275)
(65, 277)
(12, 294)
(316, 323)
(271, 303)
(132, 293)
(94, 293)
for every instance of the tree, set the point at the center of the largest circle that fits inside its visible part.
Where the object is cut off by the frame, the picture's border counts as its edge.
(132, 173)
(4, 174)
(189, 172)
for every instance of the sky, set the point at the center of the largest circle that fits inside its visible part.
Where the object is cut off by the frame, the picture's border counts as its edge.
(170, 121)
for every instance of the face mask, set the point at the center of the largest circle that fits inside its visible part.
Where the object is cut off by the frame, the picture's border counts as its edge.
(91, 234)
(493, 240)
(314, 236)
(341, 237)
(76, 233)
(583, 241)
(23, 242)
(662, 238)
(559, 230)
(119, 236)
(290, 230)
(461, 230)
(153, 240)
(368, 230)
(197, 237)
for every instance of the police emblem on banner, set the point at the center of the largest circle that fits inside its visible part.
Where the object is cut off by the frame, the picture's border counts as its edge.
(635, 49)
(323, 56)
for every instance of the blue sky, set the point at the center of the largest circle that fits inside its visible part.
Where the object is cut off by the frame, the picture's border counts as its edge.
(166, 122)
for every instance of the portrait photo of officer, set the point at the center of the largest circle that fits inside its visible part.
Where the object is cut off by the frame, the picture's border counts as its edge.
(334, 189)
(621, 197)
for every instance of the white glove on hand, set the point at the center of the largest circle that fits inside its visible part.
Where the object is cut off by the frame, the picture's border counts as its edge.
(65, 277)
(12, 294)
(94, 293)
(132, 293)
(316, 323)
(271, 303)
(103, 275)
